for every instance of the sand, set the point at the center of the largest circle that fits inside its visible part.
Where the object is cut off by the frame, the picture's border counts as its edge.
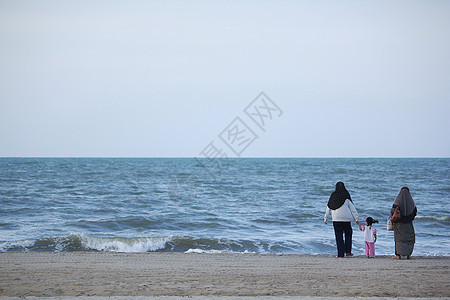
(180, 274)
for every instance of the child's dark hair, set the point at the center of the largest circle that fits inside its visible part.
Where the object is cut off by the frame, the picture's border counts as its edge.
(370, 221)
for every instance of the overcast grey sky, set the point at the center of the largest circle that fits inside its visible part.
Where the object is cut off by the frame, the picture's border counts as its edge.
(166, 78)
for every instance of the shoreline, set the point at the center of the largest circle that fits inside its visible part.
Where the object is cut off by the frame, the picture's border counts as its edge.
(106, 274)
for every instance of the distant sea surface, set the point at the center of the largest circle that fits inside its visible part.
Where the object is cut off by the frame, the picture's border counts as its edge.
(239, 205)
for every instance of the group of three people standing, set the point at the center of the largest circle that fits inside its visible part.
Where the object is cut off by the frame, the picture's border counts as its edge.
(343, 212)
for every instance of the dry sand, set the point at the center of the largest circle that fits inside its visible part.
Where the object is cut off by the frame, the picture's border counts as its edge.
(180, 274)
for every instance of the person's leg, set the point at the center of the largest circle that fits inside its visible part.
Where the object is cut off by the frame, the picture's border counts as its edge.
(367, 249)
(372, 249)
(396, 238)
(338, 232)
(348, 237)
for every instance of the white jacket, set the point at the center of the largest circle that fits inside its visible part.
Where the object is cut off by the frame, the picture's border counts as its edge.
(345, 213)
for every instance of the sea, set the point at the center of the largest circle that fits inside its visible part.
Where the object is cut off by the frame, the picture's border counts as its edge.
(205, 205)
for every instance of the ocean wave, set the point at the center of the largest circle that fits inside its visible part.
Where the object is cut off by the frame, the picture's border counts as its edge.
(207, 251)
(16, 245)
(432, 218)
(86, 243)
(124, 244)
(187, 244)
(201, 251)
(115, 223)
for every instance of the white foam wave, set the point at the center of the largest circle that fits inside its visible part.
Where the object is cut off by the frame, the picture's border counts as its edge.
(205, 251)
(437, 218)
(215, 251)
(24, 244)
(124, 244)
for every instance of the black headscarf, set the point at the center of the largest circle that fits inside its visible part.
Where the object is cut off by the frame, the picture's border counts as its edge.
(408, 209)
(339, 196)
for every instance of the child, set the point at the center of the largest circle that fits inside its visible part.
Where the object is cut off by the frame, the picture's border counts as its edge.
(370, 237)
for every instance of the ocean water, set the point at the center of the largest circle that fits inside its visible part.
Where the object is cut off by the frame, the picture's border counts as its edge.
(239, 205)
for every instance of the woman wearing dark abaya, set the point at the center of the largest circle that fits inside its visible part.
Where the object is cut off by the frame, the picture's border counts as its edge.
(343, 212)
(404, 234)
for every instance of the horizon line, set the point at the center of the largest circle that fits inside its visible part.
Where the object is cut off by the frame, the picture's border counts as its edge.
(234, 157)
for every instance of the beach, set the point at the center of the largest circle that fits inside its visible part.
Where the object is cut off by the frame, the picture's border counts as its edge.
(45, 274)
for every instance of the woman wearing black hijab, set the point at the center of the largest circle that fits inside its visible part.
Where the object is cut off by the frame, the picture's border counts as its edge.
(404, 234)
(342, 212)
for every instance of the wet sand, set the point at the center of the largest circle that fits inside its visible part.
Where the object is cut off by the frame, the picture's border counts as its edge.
(179, 274)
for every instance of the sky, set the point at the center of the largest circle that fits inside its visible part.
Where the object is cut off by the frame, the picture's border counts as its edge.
(184, 78)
